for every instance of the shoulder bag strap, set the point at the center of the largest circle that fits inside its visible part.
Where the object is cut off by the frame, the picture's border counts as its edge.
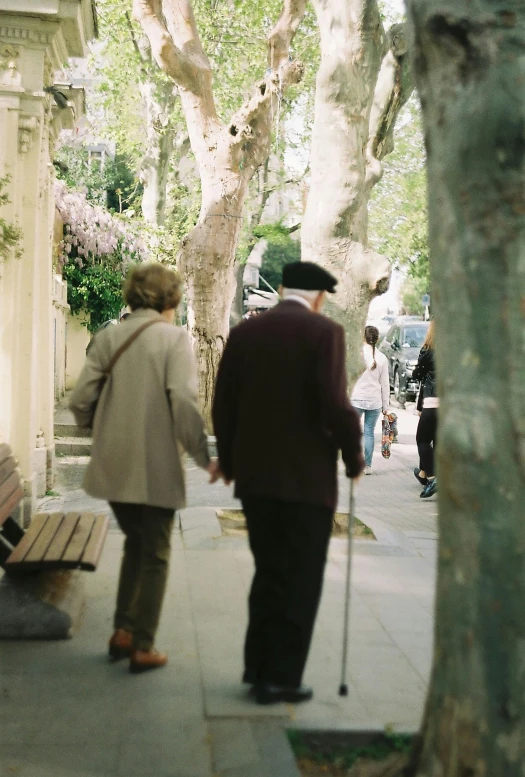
(125, 345)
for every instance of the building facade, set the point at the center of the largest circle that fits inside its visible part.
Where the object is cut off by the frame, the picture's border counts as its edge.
(37, 37)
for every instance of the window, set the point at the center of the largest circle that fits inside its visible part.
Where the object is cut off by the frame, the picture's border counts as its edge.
(395, 336)
(96, 159)
(414, 336)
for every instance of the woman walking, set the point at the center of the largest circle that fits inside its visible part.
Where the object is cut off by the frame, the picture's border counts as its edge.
(138, 390)
(428, 404)
(371, 393)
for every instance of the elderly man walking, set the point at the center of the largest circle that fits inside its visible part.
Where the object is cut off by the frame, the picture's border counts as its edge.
(281, 414)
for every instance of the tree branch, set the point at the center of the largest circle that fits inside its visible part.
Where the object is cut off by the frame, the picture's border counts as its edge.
(263, 100)
(251, 124)
(263, 193)
(181, 24)
(283, 33)
(134, 41)
(394, 86)
(288, 182)
(181, 55)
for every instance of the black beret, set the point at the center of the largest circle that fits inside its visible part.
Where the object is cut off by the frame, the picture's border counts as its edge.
(308, 276)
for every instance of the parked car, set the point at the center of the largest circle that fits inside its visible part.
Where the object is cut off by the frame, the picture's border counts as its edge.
(401, 346)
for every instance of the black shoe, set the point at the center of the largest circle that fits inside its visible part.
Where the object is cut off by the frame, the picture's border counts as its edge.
(423, 481)
(271, 694)
(430, 489)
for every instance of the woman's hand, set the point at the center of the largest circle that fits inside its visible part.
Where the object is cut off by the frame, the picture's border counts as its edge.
(213, 470)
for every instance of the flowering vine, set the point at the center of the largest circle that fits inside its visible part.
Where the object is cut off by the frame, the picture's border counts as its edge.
(95, 251)
(93, 235)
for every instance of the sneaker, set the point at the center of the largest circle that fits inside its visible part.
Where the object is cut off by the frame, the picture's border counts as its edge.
(368, 470)
(430, 489)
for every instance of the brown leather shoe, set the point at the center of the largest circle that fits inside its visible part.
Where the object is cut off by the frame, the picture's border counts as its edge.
(142, 660)
(120, 645)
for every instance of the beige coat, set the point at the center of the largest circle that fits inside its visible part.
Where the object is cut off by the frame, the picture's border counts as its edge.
(146, 415)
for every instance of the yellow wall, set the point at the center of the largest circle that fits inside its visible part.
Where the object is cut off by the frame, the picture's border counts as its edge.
(77, 341)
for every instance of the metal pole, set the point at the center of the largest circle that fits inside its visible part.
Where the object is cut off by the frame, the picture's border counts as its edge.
(343, 688)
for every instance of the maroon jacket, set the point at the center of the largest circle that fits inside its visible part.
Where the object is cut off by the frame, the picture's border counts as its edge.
(281, 411)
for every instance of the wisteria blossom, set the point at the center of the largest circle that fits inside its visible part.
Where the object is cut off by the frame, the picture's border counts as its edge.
(93, 235)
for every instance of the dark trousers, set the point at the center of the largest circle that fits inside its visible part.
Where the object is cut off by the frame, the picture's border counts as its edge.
(144, 569)
(426, 439)
(289, 542)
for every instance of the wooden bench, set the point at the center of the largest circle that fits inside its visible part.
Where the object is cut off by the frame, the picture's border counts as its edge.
(53, 540)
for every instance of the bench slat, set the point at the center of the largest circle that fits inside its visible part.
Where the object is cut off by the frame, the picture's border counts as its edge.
(7, 507)
(58, 541)
(94, 547)
(5, 452)
(45, 537)
(9, 486)
(72, 555)
(27, 541)
(62, 538)
(7, 467)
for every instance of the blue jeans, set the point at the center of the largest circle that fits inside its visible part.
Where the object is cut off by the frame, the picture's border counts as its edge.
(371, 417)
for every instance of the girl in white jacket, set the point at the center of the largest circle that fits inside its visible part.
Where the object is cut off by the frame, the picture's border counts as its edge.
(372, 391)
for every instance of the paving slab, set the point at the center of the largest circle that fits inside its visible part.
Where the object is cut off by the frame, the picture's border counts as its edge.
(62, 760)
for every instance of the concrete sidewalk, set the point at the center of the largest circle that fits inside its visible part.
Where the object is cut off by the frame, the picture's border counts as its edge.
(65, 711)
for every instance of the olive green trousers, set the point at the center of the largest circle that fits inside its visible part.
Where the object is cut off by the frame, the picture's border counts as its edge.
(144, 569)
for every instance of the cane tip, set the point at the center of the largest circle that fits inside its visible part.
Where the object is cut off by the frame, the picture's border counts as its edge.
(343, 690)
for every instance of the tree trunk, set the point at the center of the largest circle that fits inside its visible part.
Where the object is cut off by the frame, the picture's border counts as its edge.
(159, 102)
(207, 260)
(470, 71)
(227, 157)
(362, 84)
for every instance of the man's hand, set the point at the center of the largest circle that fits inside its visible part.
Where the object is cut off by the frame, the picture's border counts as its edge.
(356, 471)
(215, 472)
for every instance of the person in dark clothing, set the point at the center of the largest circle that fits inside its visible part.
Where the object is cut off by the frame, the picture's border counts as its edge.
(291, 362)
(428, 404)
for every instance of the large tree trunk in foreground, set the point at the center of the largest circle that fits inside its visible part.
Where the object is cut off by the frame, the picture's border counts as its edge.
(362, 83)
(227, 157)
(471, 73)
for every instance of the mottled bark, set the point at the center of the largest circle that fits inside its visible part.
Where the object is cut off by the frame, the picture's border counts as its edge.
(159, 101)
(155, 165)
(468, 57)
(227, 157)
(362, 83)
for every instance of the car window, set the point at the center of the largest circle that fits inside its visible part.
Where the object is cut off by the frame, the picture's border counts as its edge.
(395, 335)
(414, 336)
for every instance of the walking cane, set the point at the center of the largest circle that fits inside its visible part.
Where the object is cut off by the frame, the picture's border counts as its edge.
(343, 688)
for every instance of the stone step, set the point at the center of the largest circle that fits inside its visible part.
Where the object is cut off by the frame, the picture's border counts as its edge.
(73, 446)
(69, 430)
(71, 441)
